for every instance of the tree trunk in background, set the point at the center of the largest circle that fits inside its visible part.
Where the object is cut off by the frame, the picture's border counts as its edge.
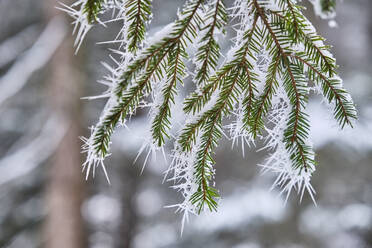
(64, 226)
(128, 189)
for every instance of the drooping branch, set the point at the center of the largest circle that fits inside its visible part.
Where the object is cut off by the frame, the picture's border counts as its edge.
(263, 83)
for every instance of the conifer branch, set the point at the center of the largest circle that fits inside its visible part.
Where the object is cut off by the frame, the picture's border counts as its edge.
(328, 5)
(209, 51)
(314, 47)
(138, 13)
(263, 83)
(92, 8)
(344, 111)
(175, 73)
(262, 106)
(233, 77)
(212, 133)
(295, 136)
(153, 65)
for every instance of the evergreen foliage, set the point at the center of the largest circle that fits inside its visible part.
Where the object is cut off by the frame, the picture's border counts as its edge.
(328, 5)
(277, 59)
(138, 15)
(92, 8)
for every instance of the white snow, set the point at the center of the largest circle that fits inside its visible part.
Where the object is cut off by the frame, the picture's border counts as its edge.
(35, 58)
(28, 157)
(12, 47)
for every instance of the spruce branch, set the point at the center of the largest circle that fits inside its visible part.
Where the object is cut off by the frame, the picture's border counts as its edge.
(232, 77)
(153, 65)
(344, 110)
(208, 52)
(175, 74)
(328, 5)
(263, 83)
(206, 195)
(256, 120)
(92, 8)
(138, 14)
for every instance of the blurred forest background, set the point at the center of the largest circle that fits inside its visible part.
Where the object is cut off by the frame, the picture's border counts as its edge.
(45, 201)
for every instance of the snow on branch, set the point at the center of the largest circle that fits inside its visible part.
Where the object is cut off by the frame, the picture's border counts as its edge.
(262, 83)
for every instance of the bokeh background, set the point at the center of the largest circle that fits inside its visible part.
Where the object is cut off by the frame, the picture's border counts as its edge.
(45, 201)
